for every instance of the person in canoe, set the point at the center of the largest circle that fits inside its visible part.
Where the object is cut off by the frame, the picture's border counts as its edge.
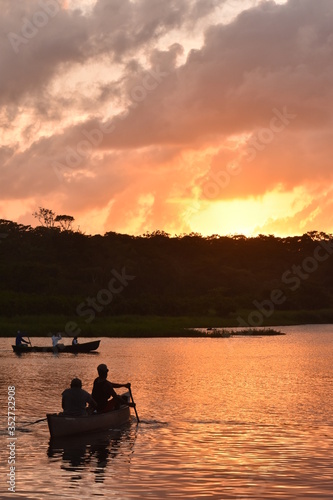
(20, 341)
(75, 399)
(55, 339)
(103, 390)
(75, 341)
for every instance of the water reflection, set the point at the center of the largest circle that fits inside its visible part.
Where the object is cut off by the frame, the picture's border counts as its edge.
(248, 419)
(94, 452)
(56, 353)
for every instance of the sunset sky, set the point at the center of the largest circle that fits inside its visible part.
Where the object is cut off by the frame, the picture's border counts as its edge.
(209, 116)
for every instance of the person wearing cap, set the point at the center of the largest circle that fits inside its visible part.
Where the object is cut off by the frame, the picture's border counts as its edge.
(75, 399)
(103, 390)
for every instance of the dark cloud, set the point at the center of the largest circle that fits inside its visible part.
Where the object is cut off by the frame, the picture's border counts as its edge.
(244, 71)
(41, 39)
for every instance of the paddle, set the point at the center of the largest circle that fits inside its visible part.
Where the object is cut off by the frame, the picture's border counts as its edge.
(36, 422)
(136, 413)
(30, 342)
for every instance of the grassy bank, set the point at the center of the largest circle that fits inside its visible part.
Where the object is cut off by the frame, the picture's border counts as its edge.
(115, 326)
(284, 318)
(149, 326)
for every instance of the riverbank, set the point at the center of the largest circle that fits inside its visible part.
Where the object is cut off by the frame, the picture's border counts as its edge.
(148, 326)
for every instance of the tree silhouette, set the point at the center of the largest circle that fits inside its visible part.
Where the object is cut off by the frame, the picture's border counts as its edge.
(65, 222)
(52, 269)
(45, 216)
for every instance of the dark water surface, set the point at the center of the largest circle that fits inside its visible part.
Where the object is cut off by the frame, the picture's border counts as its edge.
(238, 418)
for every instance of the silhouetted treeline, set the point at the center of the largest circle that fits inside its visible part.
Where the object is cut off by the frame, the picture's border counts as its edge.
(49, 270)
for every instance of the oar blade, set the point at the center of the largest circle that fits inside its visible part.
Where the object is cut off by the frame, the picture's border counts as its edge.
(136, 413)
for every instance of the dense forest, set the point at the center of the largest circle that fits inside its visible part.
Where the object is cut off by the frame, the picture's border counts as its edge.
(53, 269)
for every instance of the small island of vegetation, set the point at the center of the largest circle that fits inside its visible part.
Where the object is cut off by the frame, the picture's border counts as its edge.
(251, 332)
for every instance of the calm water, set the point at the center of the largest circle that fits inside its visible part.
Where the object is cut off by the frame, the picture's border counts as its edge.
(238, 418)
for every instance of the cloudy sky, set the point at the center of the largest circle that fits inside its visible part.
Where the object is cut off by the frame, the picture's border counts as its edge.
(212, 116)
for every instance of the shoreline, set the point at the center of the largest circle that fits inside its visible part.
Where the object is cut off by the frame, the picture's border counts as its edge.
(134, 326)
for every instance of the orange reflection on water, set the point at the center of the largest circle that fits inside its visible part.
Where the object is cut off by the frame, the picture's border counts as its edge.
(220, 418)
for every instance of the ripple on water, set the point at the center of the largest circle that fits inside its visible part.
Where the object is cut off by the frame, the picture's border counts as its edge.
(250, 419)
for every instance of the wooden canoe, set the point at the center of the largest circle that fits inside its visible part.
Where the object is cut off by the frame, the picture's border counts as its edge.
(85, 347)
(60, 425)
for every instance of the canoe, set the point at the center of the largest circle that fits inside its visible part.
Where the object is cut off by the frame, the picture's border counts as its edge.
(60, 425)
(85, 347)
(220, 335)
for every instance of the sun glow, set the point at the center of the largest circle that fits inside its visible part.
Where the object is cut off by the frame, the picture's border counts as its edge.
(246, 216)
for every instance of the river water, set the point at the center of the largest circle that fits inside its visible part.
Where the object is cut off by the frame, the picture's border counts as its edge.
(237, 418)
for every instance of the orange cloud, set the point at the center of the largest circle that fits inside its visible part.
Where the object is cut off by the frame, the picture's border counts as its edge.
(157, 141)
